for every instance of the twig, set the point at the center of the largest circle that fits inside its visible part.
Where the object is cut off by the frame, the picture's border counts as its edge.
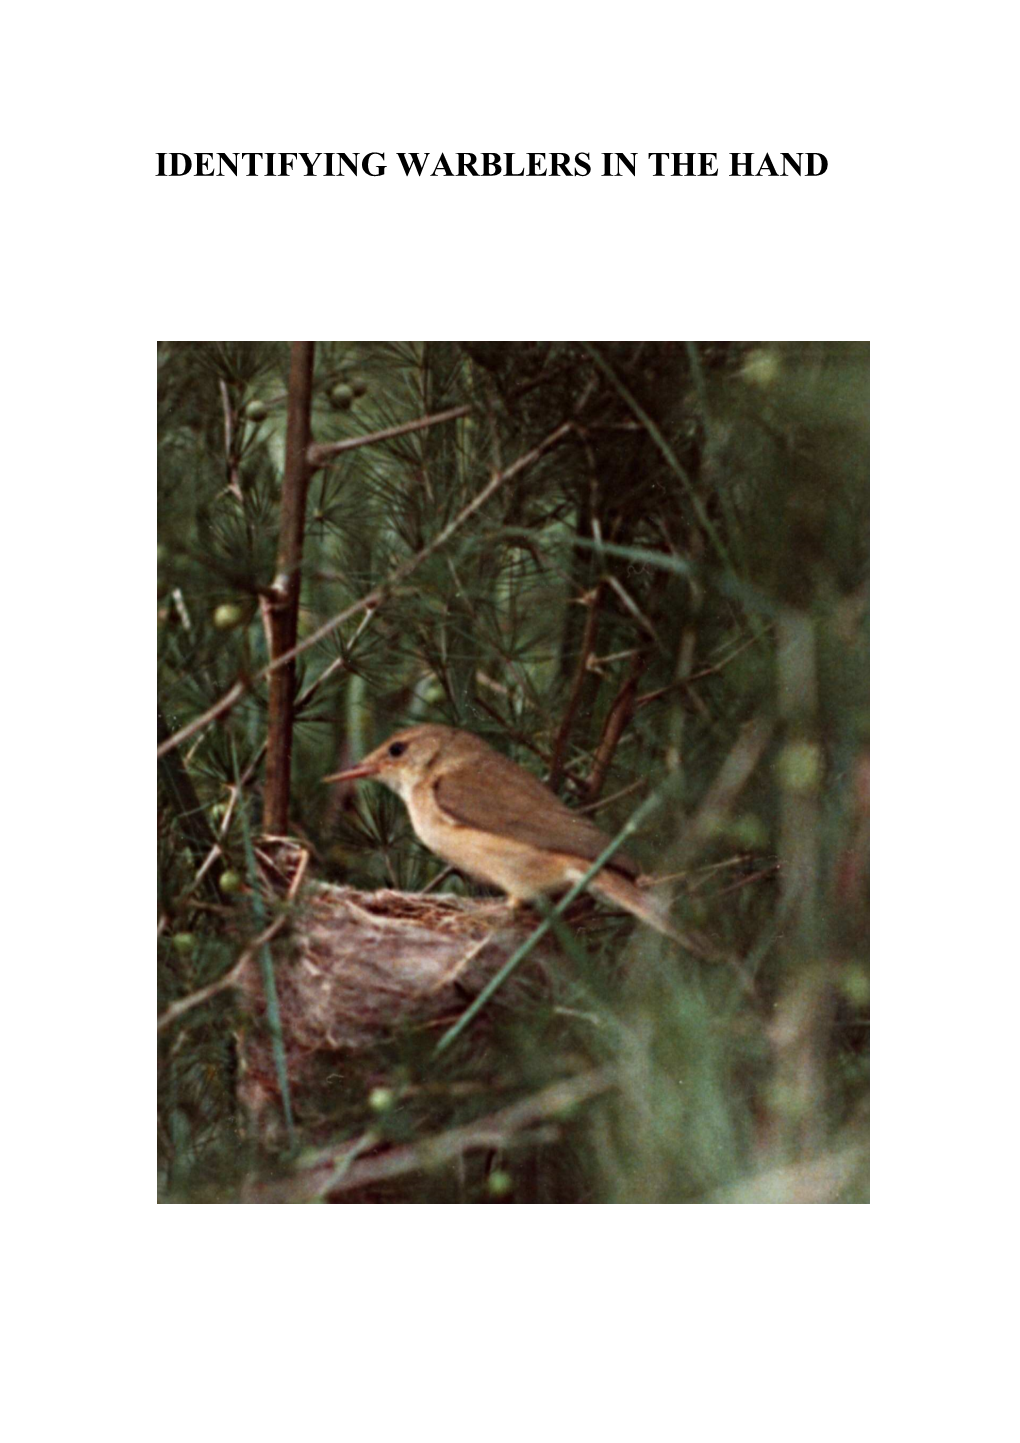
(620, 714)
(515, 734)
(437, 880)
(685, 682)
(181, 794)
(321, 455)
(220, 708)
(230, 978)
(368, 1140)
(181, 607)
(631, 605)
(614, 797)
(599, 663)
(282, 608)
(588, 639)
(372, 599)
(253, 765)
(330, 1173)
(769, 871)
(340, 662)
(195, 999)
(701, 872)
(224, 826)
(233, 477)
(214, 852)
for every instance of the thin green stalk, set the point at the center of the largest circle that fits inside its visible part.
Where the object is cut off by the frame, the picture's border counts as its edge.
(698, 373)
(528, 946)
(265, 960)
(727, 584)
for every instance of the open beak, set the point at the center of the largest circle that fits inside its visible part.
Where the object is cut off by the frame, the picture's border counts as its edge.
(364, 769)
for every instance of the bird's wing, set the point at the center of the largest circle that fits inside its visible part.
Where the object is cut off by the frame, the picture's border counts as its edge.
(495, 795)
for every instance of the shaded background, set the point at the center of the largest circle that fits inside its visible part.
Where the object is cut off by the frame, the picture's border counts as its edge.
(673, 594)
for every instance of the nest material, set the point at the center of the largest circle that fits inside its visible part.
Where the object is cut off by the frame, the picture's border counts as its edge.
(354, 967)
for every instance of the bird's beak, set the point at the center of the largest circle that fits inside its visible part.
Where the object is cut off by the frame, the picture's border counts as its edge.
(363, 769)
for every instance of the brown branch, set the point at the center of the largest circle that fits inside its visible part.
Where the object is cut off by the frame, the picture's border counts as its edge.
(522, 739)
(588, 639)
(187, 810)
(631, 605)
(340, 663)
(768, 871)
(616, 723)
(282, 609)
(437, 880)
(608, 801)
(232, 976)
(326, 1175)
(373, 598)
(195, 999)
(319, 456)
(220, 708)
(233, 471)
(253, 766)
(701, 873)
(224, 826)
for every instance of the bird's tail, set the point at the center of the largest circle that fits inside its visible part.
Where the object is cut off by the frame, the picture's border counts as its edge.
(648, 908)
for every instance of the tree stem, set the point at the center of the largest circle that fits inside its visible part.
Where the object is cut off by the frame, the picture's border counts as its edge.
(286, 599)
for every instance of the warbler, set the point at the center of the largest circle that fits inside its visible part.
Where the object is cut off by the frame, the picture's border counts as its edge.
(494, 821)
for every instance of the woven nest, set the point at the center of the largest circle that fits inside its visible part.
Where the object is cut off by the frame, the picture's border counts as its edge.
(354, 967)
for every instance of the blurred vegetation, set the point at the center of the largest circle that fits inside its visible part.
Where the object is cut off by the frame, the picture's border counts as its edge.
(689, 561)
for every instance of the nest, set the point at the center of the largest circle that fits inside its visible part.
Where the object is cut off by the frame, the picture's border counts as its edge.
(353, 968)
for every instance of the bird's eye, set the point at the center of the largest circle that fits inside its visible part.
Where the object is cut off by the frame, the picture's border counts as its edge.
(398, 749)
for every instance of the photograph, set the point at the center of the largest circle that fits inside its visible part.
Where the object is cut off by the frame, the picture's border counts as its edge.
(513, 772)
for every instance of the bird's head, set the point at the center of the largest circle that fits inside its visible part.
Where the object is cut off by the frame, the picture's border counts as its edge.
(405, 758)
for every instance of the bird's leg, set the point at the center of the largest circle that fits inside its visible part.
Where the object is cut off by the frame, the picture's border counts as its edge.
(511, 908)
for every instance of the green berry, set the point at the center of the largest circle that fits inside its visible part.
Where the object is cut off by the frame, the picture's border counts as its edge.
(500, 1183)
(183, 943)
(230, 882)
(800, 766)
(358, 385)
(855, 986)
(380, 1099)
(748, 831)
(761, 368)
(227, 616)
(341, 396)
(256, 410)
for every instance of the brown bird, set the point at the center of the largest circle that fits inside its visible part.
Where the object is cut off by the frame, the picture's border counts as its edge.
(490, 818)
